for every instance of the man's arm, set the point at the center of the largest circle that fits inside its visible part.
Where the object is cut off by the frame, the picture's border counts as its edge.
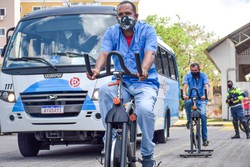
(147, 62)
(206, 86)
(240, 94)
(100, 63)
(184, 90)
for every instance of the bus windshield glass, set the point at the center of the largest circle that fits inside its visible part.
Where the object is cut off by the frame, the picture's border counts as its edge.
(57, 41)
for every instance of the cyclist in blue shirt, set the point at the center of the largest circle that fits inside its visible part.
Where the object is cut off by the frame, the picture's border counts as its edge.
(127, 37)
(196, 79)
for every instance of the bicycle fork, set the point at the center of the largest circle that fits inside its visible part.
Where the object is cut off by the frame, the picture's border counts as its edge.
(108, 144)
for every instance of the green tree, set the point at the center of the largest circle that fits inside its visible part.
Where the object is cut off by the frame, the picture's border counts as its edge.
(189, 42)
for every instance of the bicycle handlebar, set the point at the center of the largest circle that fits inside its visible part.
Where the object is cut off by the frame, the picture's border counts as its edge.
(190, 93)
(108, 62)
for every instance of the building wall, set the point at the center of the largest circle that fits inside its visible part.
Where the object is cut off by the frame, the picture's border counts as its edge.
(27, 5)
(11, 19)
(228, 62)
(224, 58)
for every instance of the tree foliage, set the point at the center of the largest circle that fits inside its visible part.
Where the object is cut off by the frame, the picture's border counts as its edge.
(189, 42)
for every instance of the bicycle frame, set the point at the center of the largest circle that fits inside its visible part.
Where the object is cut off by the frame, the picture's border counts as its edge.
(195, 128)
(118, 117)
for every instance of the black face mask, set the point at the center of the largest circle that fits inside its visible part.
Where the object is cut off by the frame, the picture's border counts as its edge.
(127, 22)
(229, 86)
(195, 74)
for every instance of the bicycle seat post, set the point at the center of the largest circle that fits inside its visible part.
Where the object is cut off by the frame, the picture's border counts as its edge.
(119, 80)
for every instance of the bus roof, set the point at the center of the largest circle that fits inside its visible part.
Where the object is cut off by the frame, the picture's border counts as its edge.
(109, 10)
(163, 44)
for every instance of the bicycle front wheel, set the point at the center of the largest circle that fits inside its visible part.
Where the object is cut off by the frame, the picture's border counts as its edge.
(116, 153)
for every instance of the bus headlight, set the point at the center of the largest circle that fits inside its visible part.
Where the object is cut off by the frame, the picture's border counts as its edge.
(95, 94)
(7, 96)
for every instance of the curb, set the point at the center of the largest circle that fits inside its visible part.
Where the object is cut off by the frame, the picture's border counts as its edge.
(182, 123)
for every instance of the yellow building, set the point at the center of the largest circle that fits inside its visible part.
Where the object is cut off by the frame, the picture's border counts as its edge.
(31, 5)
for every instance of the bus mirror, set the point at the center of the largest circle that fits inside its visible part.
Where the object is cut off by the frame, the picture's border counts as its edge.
(3, 51)
(7, 34)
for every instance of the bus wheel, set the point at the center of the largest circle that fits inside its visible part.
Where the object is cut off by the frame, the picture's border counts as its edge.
(162, 135)
(28, 144)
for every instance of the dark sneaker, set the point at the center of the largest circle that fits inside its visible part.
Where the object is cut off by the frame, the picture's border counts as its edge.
(148, 163)
(188, 124)
(205, 143)
(235, 136)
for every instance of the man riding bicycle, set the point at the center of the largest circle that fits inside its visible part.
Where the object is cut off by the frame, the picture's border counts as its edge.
(127, 37)
(199, 80)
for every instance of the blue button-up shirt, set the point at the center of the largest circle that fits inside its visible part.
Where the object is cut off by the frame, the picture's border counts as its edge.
(144, 39)
(197, 83)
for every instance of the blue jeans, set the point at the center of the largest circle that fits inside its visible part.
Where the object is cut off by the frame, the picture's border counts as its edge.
(202, 107)
(237, 113)
(145, 98)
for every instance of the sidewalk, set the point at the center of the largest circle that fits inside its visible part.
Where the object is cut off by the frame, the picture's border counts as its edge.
(210, 122)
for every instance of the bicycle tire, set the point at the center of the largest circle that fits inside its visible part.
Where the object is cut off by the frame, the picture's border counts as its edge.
(115, 157)
(248, 123)
(116, 154)
(192, 141)
(198, 134)
(194, 135)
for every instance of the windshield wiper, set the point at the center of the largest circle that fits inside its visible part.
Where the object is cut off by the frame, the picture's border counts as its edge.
(39, 59)
(73, 54)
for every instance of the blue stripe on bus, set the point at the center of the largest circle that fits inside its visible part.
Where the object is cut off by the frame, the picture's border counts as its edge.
(52, 85)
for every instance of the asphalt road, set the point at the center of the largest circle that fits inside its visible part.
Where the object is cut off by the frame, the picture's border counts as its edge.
(227, 152)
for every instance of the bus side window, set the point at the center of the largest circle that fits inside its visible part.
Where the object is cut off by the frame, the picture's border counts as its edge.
(165, 63)
(172, 67)
(158, 62)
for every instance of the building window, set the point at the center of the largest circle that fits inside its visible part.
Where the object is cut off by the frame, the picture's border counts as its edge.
(2, 12)
(36, 8)
(2, 31)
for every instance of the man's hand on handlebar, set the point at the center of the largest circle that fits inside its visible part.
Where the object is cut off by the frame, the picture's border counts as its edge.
(203, 98)
(95, 74)
(143, 76)
(185, 97)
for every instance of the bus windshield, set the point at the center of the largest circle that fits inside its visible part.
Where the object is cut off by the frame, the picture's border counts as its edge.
(57, 41)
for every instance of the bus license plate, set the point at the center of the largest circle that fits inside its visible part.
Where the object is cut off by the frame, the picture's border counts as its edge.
(52, 110)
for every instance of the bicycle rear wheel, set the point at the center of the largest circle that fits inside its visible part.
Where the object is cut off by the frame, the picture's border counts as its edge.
(248, 123)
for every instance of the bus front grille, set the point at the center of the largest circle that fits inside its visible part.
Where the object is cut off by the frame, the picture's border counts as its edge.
(70, 101)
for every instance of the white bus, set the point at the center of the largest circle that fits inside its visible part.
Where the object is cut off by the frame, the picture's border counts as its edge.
(45, 95)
